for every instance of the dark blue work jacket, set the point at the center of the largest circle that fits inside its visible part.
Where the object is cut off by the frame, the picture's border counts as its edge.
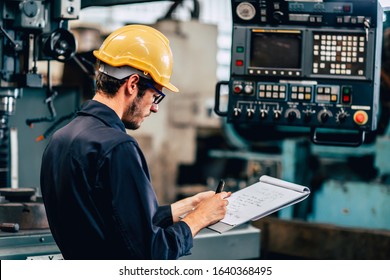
(98, 196)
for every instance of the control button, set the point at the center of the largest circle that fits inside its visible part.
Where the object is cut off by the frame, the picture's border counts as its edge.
(346, 99)
(237, 88)
(239, 62)
(360, 117)
(248, 89)
(346, 94)
(347, 8)
(240, 49)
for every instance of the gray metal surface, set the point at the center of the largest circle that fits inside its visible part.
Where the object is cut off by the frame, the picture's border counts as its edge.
(27, 244)
(237, 244)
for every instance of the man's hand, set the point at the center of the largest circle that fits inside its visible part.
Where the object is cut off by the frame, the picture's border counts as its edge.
(188, 204)
(210, 210)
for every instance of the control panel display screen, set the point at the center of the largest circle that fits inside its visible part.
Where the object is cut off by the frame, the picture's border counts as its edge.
(267, 47)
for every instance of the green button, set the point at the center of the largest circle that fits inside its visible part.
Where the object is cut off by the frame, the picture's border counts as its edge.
(240, 49)
(346, 90)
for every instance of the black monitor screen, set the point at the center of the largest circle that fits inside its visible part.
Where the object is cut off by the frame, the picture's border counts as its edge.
(276, 50)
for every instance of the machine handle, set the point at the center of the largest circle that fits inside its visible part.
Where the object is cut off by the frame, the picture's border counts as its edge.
(218, 97)
(9, 227)
(337, 139)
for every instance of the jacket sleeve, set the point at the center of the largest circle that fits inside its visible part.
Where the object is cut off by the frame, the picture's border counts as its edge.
(163, 216)
(145, 227)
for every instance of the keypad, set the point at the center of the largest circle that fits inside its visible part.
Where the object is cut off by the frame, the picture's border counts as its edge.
(339, 54)
(327, 94)
(272, 91)
(301, 93)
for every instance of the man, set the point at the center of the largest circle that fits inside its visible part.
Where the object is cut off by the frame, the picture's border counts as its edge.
(95, 181)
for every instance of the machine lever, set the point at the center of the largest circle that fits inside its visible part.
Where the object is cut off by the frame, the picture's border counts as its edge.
(16, 45)
(367, 26)
(218, 97)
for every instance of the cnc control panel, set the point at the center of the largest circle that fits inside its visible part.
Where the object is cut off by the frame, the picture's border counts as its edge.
(306, 63)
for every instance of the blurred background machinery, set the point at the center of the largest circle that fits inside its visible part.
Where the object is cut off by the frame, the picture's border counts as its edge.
(286, 109)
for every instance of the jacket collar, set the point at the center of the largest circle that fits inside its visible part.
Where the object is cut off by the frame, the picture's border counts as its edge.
(102, 112)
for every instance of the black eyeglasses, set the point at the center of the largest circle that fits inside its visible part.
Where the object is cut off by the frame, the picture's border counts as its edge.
(161, 95)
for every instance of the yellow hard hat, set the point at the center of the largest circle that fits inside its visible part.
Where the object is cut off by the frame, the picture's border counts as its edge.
(140, 47)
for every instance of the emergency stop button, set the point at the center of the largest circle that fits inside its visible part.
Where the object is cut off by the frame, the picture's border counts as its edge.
(360, 117)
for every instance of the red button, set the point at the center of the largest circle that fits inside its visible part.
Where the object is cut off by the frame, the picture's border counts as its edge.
(360, 117)
(346, 98)
(347, 8)
(239, 62)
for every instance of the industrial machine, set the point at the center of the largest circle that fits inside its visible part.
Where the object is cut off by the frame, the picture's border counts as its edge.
(312, 64)
(31, 31)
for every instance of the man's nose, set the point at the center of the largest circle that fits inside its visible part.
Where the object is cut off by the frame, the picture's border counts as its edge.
(154, 108)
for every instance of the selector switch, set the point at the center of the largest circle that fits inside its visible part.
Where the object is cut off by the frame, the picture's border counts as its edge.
(250, 112)
(237, 112)
(278, 16)
(341, 116)
(324, 117)
(277, 114)
(263, 114)
(291, 116)
(307, 117)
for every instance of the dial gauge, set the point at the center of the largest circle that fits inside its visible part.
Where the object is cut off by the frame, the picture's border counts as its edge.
(246, 11)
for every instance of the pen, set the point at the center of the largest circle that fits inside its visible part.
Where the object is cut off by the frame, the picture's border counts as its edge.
(220, 186)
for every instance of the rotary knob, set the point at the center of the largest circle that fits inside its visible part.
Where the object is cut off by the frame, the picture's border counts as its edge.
(292, 116)
(278, 16)
(324, 117)
(307, 116)
(341, 117)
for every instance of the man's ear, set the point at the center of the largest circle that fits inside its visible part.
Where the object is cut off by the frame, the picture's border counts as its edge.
(131, 84)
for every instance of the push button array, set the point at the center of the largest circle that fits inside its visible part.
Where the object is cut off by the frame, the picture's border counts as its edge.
(339, 54)
(328, 94)
(303, 93)
(272, 91)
